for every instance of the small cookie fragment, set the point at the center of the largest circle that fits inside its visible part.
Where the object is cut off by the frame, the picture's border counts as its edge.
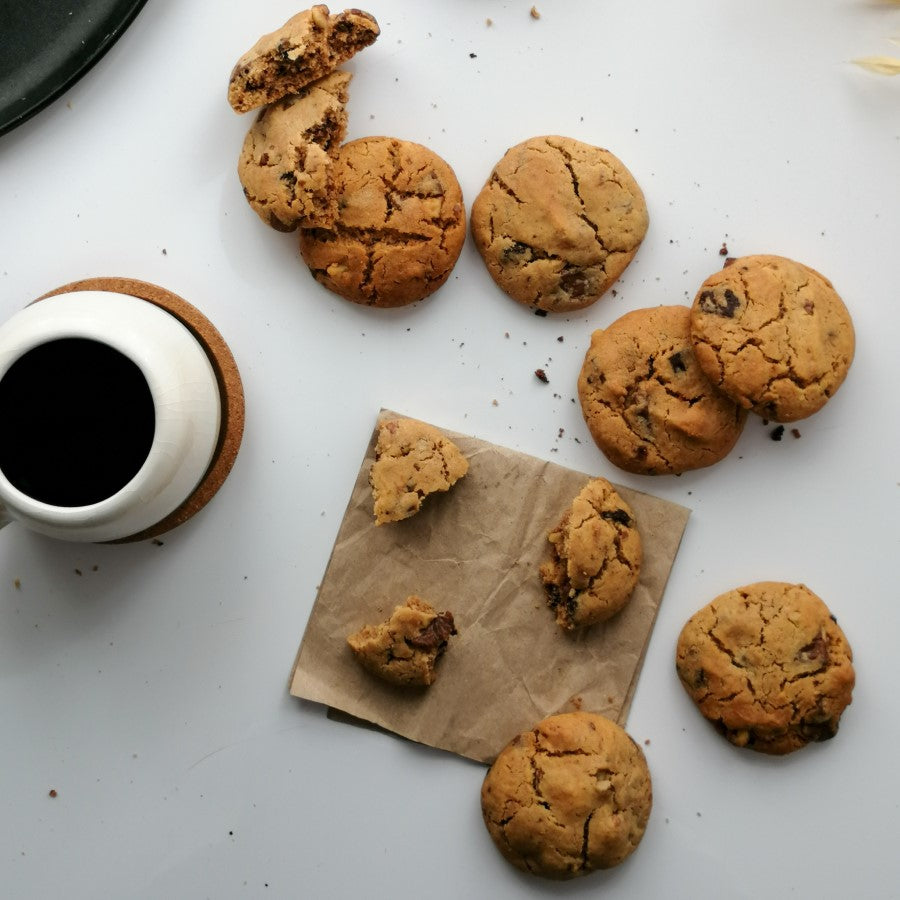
(596, 558)
(307, 47)
(768, 665)
(774, 335)
(557, 222)
(648, 405)
(286, 163)
(412, 460)
(399, 229)
(568, 797)
(405, 649)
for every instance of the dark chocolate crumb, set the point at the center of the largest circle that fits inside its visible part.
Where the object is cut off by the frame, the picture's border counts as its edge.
(540, 312)
(723, 250)
(541, 375)
(560, 338)
(52, 793)
(473, 55)
(777, 433)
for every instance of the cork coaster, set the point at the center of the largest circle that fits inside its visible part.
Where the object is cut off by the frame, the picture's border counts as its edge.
(227, 376)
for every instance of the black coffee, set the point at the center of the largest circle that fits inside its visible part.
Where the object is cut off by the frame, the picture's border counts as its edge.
(76, 422)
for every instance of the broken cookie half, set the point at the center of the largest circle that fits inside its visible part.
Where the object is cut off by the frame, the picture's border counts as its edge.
(412, 460)
(405, 649)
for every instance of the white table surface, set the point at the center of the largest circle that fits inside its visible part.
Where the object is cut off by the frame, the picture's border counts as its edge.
(150, 690)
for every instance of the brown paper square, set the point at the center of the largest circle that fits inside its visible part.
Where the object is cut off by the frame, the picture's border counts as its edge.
(476, 551)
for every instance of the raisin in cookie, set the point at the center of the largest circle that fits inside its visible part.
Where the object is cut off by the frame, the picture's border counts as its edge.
(568, 797)
(645, 400)
(400, 225)
(412, 460)
(596, 556)
(405, 649)
(307, 47)
(768, 665)
(557, 222)
(773, 335)
(286, 163)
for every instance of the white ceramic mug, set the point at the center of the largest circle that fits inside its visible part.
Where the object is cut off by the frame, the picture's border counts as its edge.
(91, 382)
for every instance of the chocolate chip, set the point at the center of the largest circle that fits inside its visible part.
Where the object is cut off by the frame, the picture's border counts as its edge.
(541, 375)
(777, 433)
(435, 633)
(619, 516)
(724, 305)
(676, 360)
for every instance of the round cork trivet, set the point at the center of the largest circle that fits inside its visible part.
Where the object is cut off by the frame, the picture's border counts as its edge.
(228, 378)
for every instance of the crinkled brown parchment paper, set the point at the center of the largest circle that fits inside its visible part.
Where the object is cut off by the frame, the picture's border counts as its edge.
(476, 551)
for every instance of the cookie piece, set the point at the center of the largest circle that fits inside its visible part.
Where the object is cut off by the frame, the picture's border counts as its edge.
(286, 163)
(405, 649)
(773, 335)
(412, 460)
(568, 797)
(596, 556)
(768, 665)
(557, 222)
(645, 400)
(400, 225)
(307, 47)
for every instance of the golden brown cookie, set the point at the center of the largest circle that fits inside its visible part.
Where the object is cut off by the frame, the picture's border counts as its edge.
(645, 400)
(412, 460)
(568, 797)
(405, 649)
(596, 556)
(287, 161)
(768, 665)
(773, 335)
(307, 47)
(557, 222)
(400, 225)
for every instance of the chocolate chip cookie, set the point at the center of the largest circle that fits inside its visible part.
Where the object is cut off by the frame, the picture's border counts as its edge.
(412, 460)
(557, 222)
(568, 797)
(404, 650)
(307, 47)
(286, 163)
(646, 401)
(773, 335)
(768, 665)
(596, 556)
(399, 229)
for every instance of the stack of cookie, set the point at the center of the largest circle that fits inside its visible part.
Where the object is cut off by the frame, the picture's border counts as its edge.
(381, 221)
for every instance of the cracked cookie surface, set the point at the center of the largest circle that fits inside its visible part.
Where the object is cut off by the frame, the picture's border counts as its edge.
(412, 460)
(405, 649)
(568, 797)
(286, 162)
(307, 47)
(557, 222)
(399, 229)
(647, 403)
(596, 556)
(773, 335)
(768, 665)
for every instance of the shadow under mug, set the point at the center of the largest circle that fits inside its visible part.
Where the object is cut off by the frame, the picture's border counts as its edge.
(110, 415)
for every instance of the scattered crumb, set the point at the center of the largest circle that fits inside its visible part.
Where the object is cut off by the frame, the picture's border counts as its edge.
(473, 56)
(560, 338)
(795, 432)
(157, 542)
(541, 375)
(777, 433)
(164, 252)
(78, 571)
(52, 793)
(534, 13)
(723, 250)
(17, 584)
(647, 742)
(494, 403)
(541, 312)
(488, 22)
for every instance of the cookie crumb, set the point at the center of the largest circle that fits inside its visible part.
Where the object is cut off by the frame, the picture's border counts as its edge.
(723, 250)
(52, 793)
(795, 432)
(488, 22)
(729, 261)
(541, 375)
(473, 56)
(17, 584)
(777, 433)
(534, 13)
(560, 338)
(541, 312)
(78, 572)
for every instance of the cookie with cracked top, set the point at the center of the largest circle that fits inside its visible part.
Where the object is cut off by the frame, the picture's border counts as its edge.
(774, 335)
(405, 649)
(568, 797)
(646, 401)
(307, 47)
(286, 162)
(768, 665)
(400, 224)
(557, 222)
(596, 556)
(412, 460)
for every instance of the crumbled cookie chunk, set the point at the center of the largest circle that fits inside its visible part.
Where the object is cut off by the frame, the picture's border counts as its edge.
(286, 165)
(568, 797)
(596, 558)
(412, 460)
(768, 665)
(307, 47)
(773, 335)
(557, 222)
(405, 649)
